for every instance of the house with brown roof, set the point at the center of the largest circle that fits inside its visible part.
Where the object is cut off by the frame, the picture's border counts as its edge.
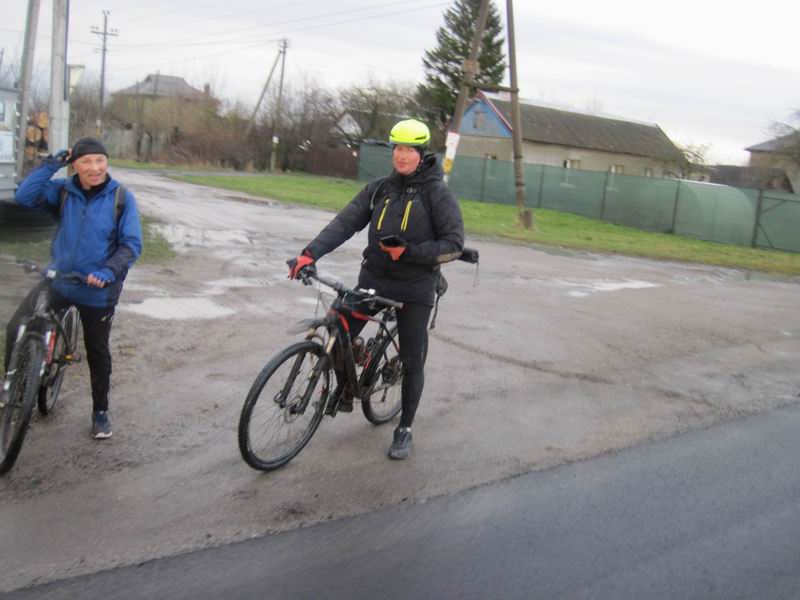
(564, 138)
(161, 109)
(780, 153)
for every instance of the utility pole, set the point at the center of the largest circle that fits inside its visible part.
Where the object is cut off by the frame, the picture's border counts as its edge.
(58, 125)
(469, 69)
(261, 97)
(105, 33)
(276, 118)
(525, 215)
(27, 72)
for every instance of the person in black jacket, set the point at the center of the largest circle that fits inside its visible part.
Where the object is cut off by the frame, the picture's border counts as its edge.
(414, 205)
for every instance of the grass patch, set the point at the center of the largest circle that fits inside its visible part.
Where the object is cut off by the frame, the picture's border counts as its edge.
(552, 228)
(36, 250)
(145, 166)
(323, 192)
(156, 247)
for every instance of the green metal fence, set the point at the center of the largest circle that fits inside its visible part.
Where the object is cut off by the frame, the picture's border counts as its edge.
(705, 211)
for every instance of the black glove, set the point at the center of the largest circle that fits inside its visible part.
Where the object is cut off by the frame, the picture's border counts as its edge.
(60, 159)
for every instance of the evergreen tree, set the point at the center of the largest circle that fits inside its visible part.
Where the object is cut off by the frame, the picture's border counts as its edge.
(437, 96)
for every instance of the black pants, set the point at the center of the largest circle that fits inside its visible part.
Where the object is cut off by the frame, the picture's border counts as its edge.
(96, 332)
(412, 329)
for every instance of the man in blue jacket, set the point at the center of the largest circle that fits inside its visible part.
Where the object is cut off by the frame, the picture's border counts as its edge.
(99, 236)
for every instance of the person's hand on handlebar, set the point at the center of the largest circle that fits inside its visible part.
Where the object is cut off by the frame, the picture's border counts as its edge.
(298, 264)
(99, 279)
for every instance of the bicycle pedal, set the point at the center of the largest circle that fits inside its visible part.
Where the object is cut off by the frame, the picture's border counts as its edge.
(72, 358)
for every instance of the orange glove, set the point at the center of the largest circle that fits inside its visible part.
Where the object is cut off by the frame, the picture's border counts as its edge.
(394, 251)
(297, 264)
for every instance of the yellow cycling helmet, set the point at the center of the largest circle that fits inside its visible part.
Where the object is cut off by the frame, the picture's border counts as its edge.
(410, 133)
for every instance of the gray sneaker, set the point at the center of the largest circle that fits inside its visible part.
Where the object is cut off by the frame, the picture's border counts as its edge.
(101, 425)
(401, 444)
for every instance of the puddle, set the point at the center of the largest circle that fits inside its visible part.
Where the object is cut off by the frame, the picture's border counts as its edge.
(219, 287)
(178, 308)
(132, 286)
(589, 287)
(181, 236)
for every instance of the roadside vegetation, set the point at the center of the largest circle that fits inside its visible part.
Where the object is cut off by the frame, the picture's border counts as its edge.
(500, 221)
(156, 248)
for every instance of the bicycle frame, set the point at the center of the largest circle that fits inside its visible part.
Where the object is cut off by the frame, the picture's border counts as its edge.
(337, 337)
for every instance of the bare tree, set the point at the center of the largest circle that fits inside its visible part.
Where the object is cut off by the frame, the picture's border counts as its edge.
(693, 162)
(789, 139)
(376, 107)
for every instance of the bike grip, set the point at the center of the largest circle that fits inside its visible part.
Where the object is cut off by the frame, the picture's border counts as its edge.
(470, 255)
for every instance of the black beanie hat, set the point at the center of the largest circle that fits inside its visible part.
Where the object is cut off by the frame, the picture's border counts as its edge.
(87, 145)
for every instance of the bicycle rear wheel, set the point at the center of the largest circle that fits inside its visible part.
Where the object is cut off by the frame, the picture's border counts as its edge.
(284, 406)
(21, 396)
(48, 394)
(383, 399)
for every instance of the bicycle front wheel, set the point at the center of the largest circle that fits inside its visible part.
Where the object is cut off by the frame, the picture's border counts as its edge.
(284, 406)
(48, 394)
(18, 405)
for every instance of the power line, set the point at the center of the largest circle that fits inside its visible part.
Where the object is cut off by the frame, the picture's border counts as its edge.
(239, 30)
(265, 42)
(105, 33)
(204, 18)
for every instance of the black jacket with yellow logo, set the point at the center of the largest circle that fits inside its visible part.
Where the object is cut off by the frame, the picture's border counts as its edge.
(421, 210)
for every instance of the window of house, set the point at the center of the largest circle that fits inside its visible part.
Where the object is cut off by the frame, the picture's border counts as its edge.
(648, 172)
(569, 164)
(616, 169)
(491, 164)
(3, 112)
(479, 119)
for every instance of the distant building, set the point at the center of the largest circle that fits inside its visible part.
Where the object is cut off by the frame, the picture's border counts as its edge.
(165, 86)
(564, 138)
(157, 113)
(760, 178)
(780, 153)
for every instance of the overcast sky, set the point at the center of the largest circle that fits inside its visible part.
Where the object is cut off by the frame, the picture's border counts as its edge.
(706, 71)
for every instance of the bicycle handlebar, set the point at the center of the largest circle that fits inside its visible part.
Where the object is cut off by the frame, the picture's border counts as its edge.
(32, 267)
(308, 273)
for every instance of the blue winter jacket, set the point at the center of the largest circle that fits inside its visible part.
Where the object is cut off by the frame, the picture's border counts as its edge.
(88, 239)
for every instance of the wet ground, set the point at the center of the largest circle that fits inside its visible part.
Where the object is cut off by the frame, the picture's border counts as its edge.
(555, 356)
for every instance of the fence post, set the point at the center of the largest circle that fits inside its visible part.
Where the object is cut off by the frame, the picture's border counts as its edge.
(603, 201)
(754, 242)
(541, 185)
(483, 175)
(675, 207)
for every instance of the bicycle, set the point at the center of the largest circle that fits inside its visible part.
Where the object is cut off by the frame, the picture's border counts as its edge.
(292, 393)
(45, 346)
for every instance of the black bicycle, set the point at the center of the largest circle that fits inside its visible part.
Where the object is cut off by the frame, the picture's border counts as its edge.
(292, 393)
(45, 346)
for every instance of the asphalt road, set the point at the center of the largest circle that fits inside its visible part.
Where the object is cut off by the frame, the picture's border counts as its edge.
(555, 357)
(711, 514)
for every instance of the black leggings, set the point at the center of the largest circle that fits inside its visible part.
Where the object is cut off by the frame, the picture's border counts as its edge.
(96, 323)
(412, 329)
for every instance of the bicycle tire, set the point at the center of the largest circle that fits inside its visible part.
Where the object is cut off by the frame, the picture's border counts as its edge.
(21, 397)
(48, 393)
(268, 452)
